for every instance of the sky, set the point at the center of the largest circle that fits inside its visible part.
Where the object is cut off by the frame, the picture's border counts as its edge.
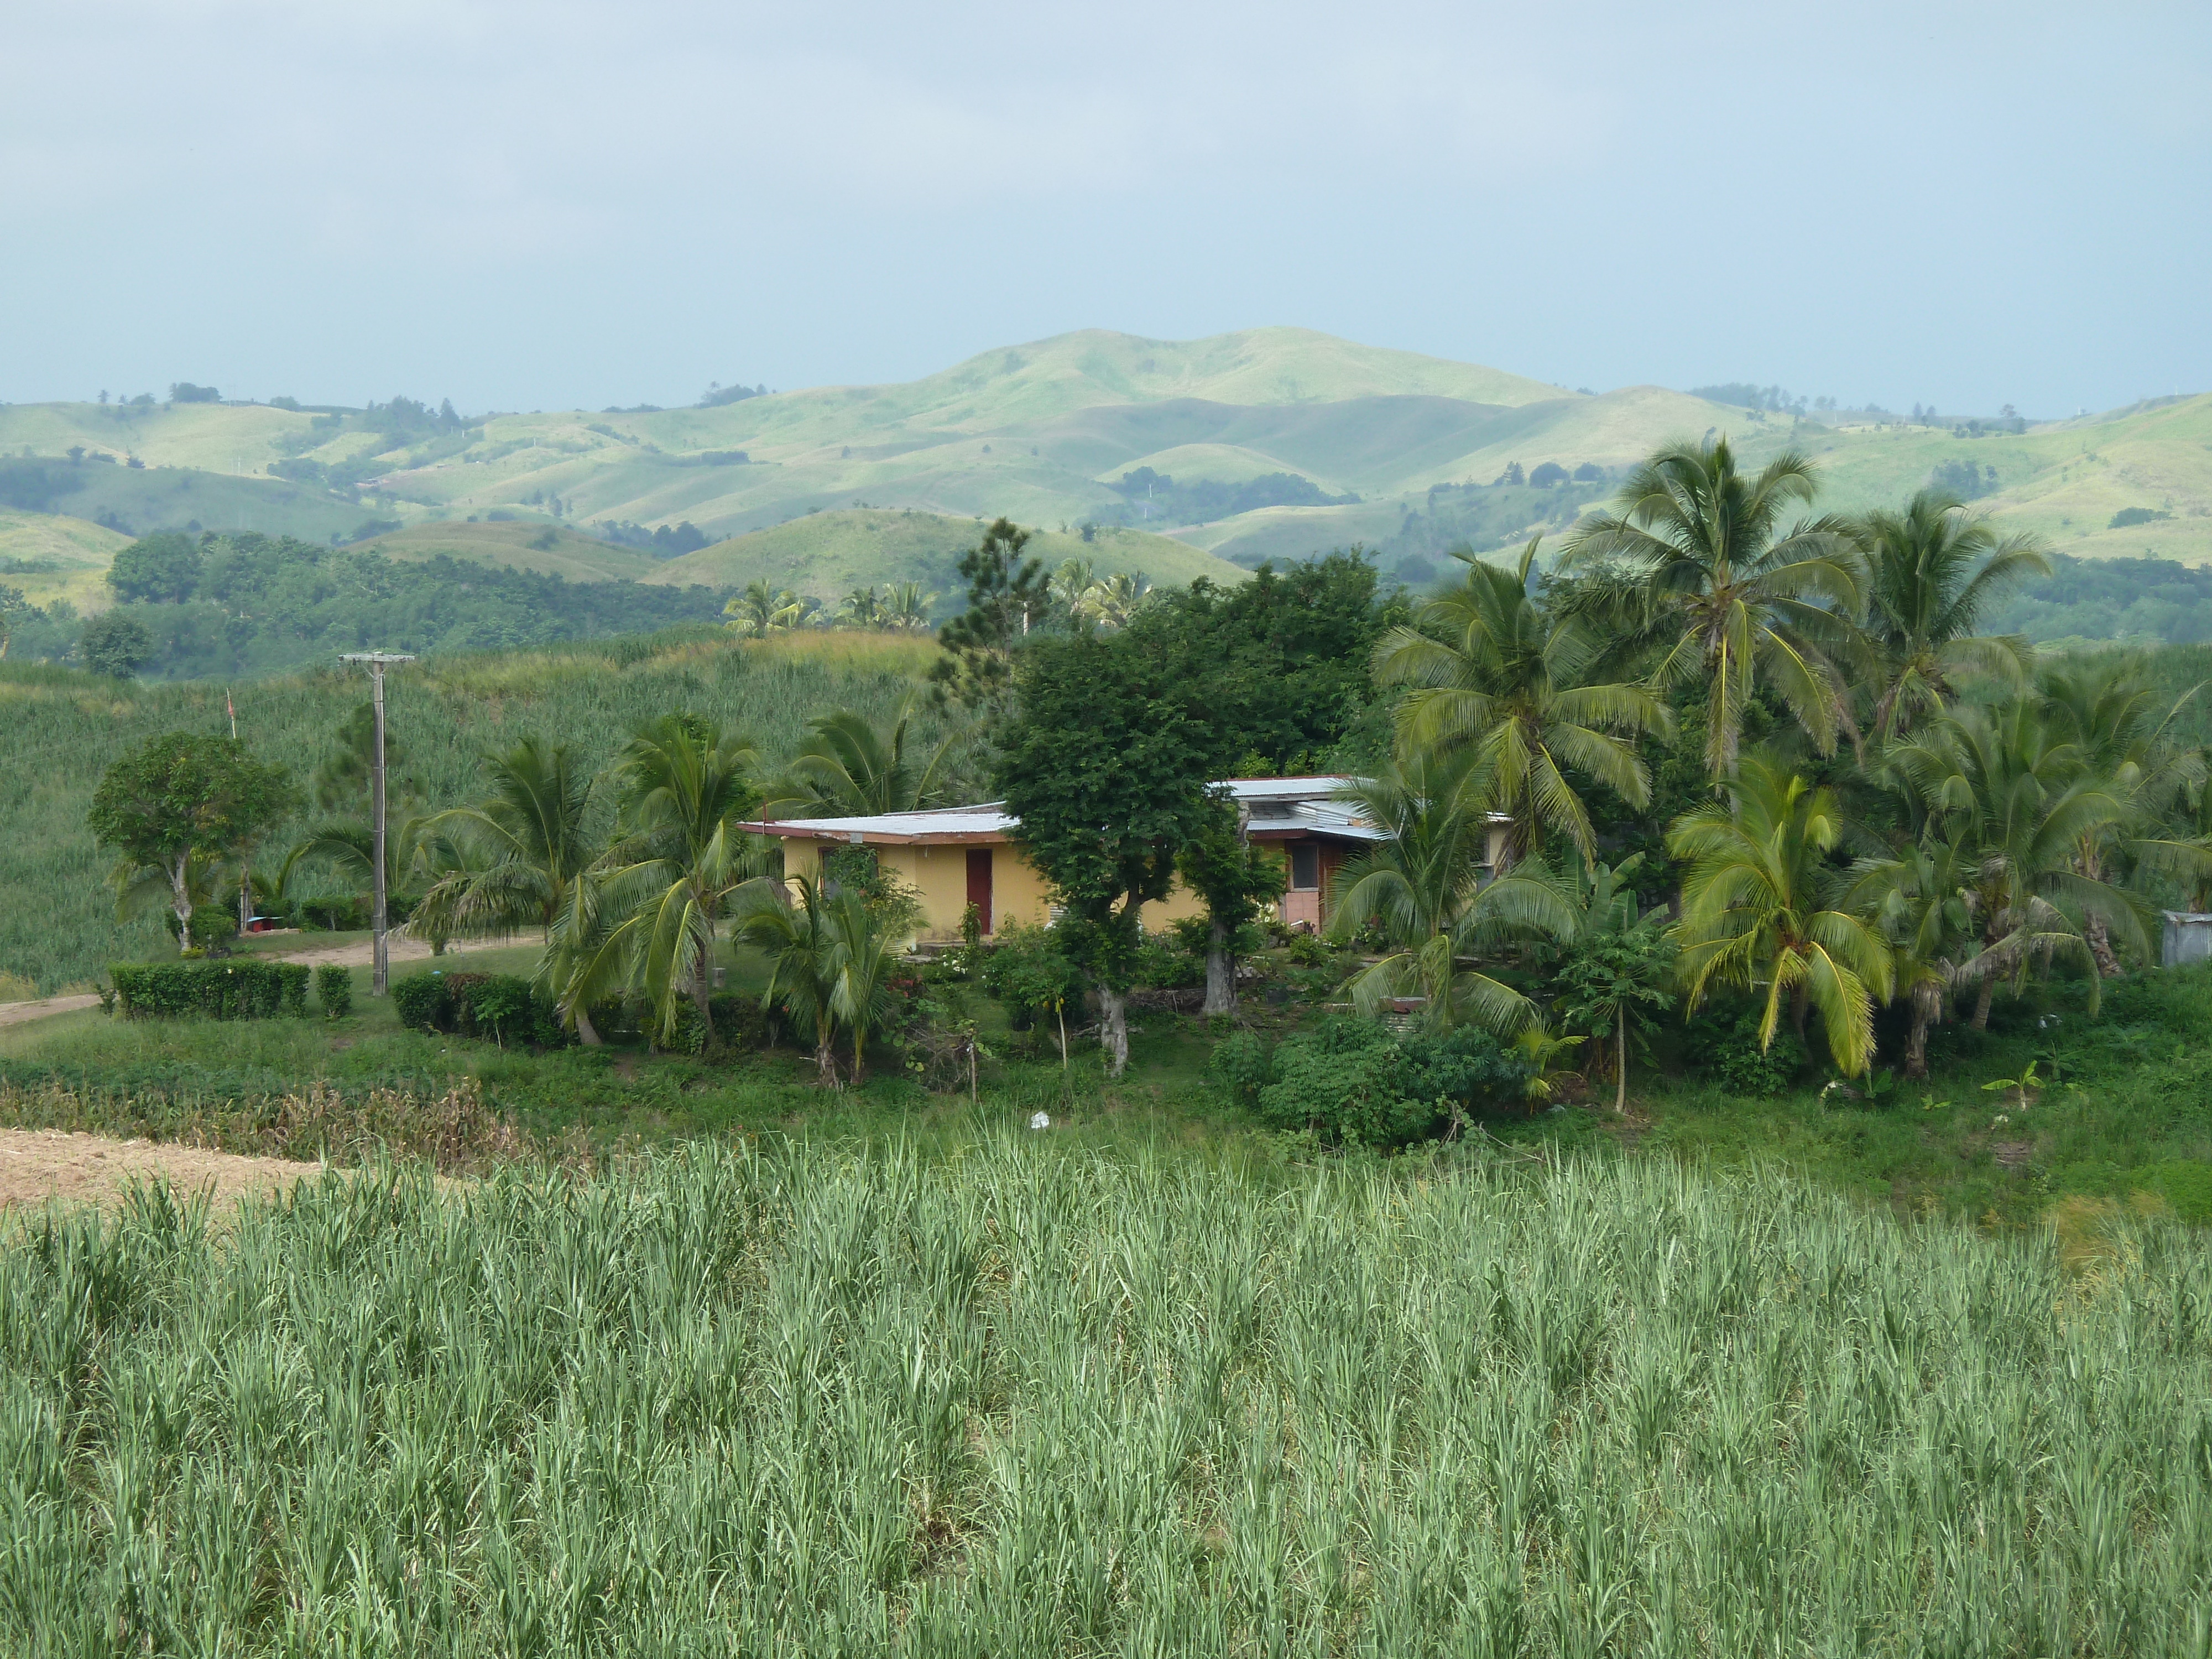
(552, 205)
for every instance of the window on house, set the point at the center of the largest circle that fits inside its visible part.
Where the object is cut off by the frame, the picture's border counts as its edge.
(1306, 866)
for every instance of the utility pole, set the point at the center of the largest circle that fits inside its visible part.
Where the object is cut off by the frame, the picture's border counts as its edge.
(380, 955)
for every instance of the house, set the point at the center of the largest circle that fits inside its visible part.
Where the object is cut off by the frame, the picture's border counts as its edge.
(953, 857)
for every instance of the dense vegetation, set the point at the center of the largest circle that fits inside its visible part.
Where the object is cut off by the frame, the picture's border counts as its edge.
(1030, 1402)
(240, 604)
(58, 925)
(1247, 1386)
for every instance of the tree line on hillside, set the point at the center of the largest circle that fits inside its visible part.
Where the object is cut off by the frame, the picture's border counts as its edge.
(243, 603)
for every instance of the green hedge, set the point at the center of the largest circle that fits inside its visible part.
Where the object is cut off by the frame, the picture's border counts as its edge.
(501, 1008)
(334, 989)
(210, 990)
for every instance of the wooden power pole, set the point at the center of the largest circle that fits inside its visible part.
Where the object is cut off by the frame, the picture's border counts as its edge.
(380, 978)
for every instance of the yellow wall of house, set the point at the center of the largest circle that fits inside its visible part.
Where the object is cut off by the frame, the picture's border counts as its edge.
(939, 879)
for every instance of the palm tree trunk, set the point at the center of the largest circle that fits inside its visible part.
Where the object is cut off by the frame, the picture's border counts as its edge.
(1927, 1003)
(586, 1033)
(1220, 973)
(1981, 1020)
(1799, 1007)
(2100, 935)
(1114, 1029)
(825, 1061)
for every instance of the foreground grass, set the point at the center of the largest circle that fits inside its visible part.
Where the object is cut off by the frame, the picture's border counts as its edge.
(1030, 1400)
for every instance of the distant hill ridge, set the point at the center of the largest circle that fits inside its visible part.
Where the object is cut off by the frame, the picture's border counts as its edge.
(1276, 430)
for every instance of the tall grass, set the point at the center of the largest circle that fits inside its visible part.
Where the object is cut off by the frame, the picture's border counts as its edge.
(1023, 1401)
(59, 728)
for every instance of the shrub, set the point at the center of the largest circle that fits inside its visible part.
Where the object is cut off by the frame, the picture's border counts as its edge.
(334, 989)
(1727, 1046)
(500, 1008)
(422, 1003)
(1242, 1064)
(1026, 971)
(209, 990)
(1356, 1083)
(740, 1026)
(1164, 962)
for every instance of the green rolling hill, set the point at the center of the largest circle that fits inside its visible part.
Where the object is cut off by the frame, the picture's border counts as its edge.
(545, 548)
(830, 554)
(1255, 443)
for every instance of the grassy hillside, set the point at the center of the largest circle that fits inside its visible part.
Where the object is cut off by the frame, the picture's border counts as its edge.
(545, 548)
(136, 500)
(46, 556)
(1042, 432)
(830, 554)
(57, 917)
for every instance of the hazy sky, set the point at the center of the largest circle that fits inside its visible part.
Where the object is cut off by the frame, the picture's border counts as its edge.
(543, 205)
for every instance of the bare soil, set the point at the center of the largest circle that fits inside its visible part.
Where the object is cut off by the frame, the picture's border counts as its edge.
(38, 1166)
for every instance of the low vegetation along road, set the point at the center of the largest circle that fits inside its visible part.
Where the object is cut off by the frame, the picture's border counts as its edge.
(355, 955)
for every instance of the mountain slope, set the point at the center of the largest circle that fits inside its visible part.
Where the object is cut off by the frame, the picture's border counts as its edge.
(543, 548)
(1045, 433)
(830, 554)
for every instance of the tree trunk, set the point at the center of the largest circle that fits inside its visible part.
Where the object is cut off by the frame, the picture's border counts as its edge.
(1800, 1005)
(1620, 1065)
(1220, 973)
(182, 900)
(703, 989)
(1114, 1029)
(2100, 935)
(586, 1033)
(1927, 1003)
(825, 1061)
(1981, 1021)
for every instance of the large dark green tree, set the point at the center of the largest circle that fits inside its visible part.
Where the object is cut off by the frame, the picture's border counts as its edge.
(1107, 770)
(1283, 659)
(182, 796)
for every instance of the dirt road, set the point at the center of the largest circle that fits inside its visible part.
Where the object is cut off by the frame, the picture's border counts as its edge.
(355, 955)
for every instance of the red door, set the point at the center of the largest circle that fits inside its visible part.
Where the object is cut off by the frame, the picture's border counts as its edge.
(979, 883)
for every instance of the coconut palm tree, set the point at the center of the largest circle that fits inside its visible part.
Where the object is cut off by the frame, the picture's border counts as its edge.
(2013, 789)
(1422, 884)
(1696, 566)
(861, 607)
(1112, 600)
(850, 769)
(795, 939)
(525, 843)
(1920, 899)
(1760, 910)
(1505, 681)
(677, 854)
(1069, 584)
(831, 961)
(907, 607)
(2129, 737)
(759, 611)
(1932, 571)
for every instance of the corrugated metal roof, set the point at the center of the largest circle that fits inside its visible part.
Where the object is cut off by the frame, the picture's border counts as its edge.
(1288, 806)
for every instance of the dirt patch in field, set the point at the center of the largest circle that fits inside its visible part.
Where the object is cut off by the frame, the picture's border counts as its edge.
(39, 1165)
